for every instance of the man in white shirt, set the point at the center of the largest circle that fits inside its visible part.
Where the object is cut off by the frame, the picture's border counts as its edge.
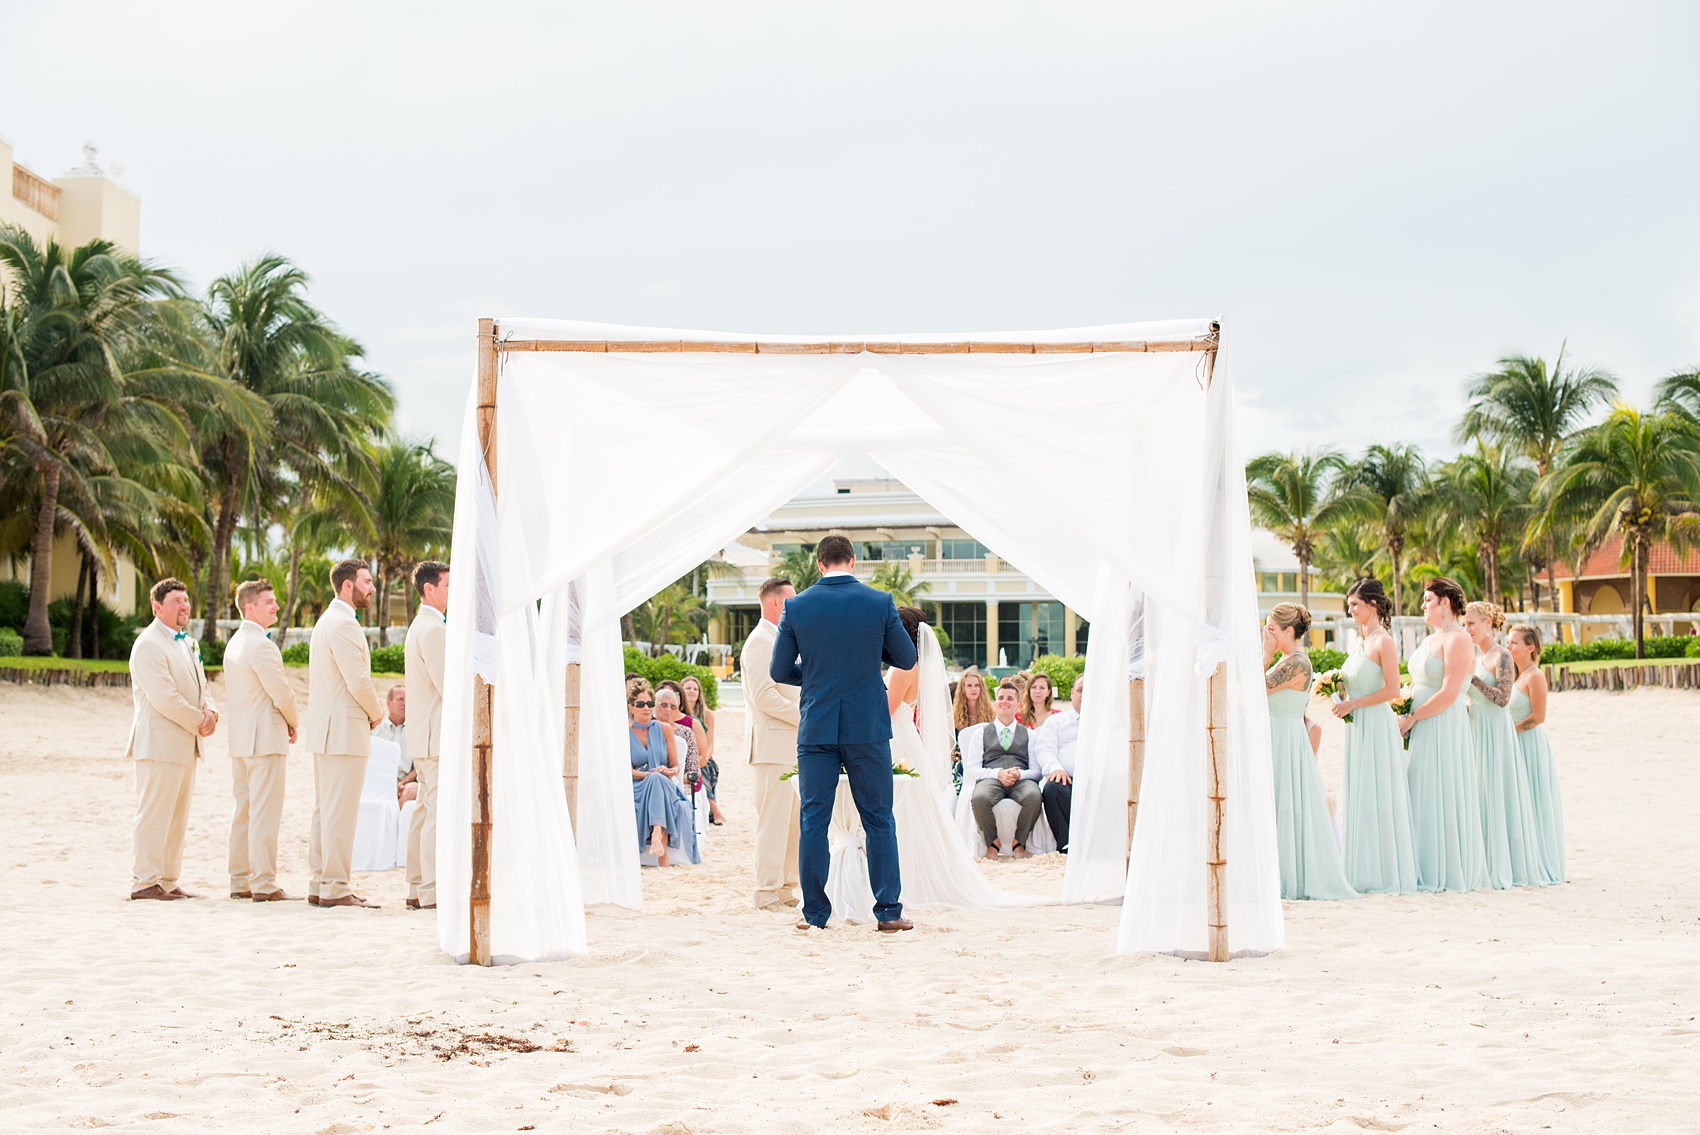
(1057, 741)
(770, 741)
(394, 728)
(998, 759)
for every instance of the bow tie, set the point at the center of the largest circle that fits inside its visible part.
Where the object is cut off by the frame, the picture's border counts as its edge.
(179, 636)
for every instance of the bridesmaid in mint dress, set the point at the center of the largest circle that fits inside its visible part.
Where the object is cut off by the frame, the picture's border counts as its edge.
(1508, 814)
(1528, 715)
(1446, 808)
(1310, 863)
(1380, 857)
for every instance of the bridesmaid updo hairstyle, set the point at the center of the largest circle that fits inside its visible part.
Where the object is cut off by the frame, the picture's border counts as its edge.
(1291, 616)
(1488, 611)
(1531, 638)
(1449, 591)
(1369, 590)
(912, 618)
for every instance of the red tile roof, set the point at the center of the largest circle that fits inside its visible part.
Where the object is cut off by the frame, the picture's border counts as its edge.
(1608, 560)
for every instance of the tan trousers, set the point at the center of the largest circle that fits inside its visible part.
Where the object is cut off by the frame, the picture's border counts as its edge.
(422, 836)
(163, 792)
(257, 783)
(776, 835)
(336, 811)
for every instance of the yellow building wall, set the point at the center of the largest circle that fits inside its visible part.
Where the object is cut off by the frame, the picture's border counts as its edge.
(91, 207)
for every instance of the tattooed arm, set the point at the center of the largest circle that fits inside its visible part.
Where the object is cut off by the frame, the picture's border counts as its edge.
(1504, 677)
(1291, 673)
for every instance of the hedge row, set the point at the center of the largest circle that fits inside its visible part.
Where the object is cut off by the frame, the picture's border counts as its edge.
(1613, 649)
(390, 659)
(668, 668)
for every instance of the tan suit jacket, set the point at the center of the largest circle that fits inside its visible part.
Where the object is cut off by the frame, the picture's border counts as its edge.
(262, 705)
(342, 702)
(770, 708)
(169, 692)
(427, 647)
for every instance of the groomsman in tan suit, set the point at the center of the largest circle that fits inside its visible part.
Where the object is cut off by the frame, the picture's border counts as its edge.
(261, 728)
(770, 741)
(342, 710)
(173, 715)
(427, 647)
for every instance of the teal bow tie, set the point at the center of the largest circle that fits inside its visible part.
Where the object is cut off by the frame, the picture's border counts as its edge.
(179, 636)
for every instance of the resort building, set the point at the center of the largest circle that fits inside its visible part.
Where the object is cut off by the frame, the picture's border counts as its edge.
(1603, 587)
(992, 613)
(74, 209)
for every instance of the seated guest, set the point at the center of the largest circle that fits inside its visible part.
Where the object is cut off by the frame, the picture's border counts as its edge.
(970, 705)
(391, 729)
(1036, 700)
(662, 809)
(696, 707)
(1056, 743)
(667, 711)
(997, 759)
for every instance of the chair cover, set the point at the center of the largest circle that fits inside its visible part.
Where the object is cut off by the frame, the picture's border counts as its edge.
(380, 840)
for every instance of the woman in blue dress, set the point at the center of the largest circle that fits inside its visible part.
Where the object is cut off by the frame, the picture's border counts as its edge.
(1446, 795)
(1508, 812)
(664, 819)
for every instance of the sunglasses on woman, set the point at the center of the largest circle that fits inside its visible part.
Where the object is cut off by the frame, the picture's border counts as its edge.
(643, 705)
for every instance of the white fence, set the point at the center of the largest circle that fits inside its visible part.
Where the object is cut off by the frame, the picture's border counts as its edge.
(1341, 633)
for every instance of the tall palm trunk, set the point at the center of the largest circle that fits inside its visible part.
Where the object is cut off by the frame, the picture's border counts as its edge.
(1395, 553)
(1638, 589)
(94, 607)
(381, 606)
(218, 571)
(38, 634)
(74, 639)
(1552, 577)
(1304, 581)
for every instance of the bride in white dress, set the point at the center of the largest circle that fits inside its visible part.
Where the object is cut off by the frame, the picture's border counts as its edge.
(937, 869)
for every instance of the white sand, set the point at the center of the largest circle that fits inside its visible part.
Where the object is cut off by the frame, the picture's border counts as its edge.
(1566, 1009)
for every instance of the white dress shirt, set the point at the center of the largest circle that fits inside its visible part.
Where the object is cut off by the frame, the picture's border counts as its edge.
(837, 571)
(1057, 741)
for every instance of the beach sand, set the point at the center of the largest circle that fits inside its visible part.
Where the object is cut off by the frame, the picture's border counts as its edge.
(1566, 1009)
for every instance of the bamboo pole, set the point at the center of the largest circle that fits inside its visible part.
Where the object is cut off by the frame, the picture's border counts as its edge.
(569, 755)
(483, 694)
(851, 346)
(1135, 752)
(1216, 734)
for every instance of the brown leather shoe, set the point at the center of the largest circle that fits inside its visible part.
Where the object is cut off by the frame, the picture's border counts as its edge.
(412, 904)
(274, 896)
(154, 892)
(348, 900)
(241, 894)
(312, 900)
(806, 925)
(428, 906)
(180, 893)
(895, 925)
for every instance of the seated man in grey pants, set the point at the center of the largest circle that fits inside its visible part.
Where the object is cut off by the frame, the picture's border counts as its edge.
(1005, 767)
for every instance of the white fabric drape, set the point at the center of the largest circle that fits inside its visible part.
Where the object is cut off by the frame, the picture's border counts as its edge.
(588, 523)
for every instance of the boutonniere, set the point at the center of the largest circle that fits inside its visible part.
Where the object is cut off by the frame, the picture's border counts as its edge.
(195, 648)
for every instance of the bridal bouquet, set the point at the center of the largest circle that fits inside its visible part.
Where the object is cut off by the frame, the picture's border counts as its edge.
(1401, 708)
(903, 770)
(1329, 685)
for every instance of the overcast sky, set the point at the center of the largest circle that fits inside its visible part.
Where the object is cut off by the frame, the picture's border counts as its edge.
(1377, 200)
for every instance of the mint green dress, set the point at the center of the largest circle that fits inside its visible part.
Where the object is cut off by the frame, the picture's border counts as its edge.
(1446, 807)
(1543, 788)
(1379, 857)
(1508, 814)
(1310, 863)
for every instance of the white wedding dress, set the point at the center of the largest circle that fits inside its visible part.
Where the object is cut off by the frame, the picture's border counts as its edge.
(937, 869)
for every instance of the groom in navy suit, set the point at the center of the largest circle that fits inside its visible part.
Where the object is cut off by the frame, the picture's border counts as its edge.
(832, 638)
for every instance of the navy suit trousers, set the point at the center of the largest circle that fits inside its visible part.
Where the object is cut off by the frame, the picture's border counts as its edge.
(868, 767)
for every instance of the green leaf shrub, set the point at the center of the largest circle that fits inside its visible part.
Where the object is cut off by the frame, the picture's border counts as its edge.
(1609, 649)
(390, 659)
(11, 643)
(669, 668)
(1061, 670)
(296, 655)
(1325, 658)
(14, 604)
(1693, 648)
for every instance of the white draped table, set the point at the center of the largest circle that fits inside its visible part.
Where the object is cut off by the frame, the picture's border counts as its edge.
(847, 885)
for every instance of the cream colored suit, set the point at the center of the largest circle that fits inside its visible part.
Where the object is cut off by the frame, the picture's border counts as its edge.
(169, 689)
(770, 743)
(257, 721)
(427, 649)
(342, 703)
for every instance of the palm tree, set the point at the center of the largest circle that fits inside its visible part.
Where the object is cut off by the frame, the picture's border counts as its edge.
(1679, 393)
(895, 577)
(70, 316)
(1290, 494)
(673, 612)
(1485, 498)
(1636, 476)
(1523, 405)
(1388, 491)
(799, 567)
(412, 517)
(1345, 554)
(256, 329)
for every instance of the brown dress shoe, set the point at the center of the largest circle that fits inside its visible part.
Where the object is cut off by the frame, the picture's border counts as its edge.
(312, 900)
(428, 906)
(412, 904)
(348, 900)
(895, 925)
(274, 896)
(180, 893)
(807, 925)
(241, 894)
(154, 892)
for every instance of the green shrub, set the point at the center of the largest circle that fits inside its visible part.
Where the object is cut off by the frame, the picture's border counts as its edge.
(668, 668)
(14, 604)
(212, 656)
(1613, 649)
(1693, 648)
(11, 643)
(1325, 658)
(1061, 670)
(296, 655)
(390, 659)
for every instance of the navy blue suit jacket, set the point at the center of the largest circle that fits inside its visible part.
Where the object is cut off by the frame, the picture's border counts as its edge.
(842, 629)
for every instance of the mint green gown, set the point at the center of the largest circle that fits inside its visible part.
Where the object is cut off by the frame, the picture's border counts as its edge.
(1543, 788)
(1310, 863)
(1379, 858)
(1508, 814)
(1446, 807)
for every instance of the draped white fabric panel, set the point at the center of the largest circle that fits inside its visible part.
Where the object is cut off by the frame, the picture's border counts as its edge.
(1102, 476)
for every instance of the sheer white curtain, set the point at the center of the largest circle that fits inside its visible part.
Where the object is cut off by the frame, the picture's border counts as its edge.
(574, 540)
